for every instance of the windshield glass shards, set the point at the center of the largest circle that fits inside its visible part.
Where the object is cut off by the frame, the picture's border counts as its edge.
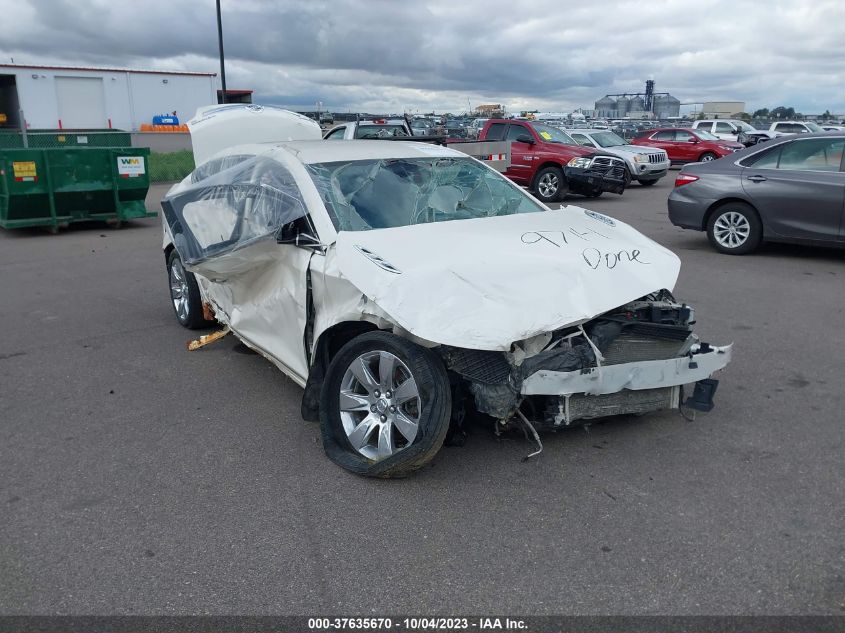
(376, 194)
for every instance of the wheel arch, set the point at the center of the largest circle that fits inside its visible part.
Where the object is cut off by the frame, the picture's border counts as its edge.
(326, 348)
(542, 166)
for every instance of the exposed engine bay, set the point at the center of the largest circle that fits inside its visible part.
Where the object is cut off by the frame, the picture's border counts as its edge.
(510, 386)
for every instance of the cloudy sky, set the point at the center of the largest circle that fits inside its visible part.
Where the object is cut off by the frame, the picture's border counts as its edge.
(393, 55)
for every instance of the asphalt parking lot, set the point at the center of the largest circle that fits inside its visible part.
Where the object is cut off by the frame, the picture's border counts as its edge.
(139, 478)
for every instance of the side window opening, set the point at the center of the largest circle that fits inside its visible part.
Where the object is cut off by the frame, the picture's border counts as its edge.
(515, 131)
(496, 132)
(248, 202)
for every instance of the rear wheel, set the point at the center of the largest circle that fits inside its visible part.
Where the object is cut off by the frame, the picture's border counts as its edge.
(735, 229)
(385, 406)
(185, 294)
(706, 157)
(550, 184)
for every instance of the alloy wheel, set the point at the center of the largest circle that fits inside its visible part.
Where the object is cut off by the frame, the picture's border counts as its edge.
(379, 405)
(179, 292)
(548, 185)
(731, 229)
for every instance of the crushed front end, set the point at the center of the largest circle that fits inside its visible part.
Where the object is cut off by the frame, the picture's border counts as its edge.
(634, 359)
(592, 175)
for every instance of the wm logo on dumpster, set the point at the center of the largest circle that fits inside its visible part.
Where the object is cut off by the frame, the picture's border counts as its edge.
(130, 166)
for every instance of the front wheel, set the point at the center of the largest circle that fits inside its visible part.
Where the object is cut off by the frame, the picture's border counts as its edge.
(706, 157)
(647, 183)
(735, 229)
(385, 406)
(550, 184)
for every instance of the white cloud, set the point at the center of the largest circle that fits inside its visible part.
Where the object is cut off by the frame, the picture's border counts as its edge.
(388, 55)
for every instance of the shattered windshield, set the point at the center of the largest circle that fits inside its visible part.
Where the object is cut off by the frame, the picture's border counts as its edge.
(377, 194)
(552, 134)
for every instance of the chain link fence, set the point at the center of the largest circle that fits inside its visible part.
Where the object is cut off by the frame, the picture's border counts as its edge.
(171, 166)
(57, 139)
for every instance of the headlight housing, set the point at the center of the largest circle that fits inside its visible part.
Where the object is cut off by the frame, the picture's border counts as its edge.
(580, 161)
(640, 158)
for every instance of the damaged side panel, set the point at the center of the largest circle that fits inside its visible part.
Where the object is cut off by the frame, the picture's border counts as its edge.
(265, 306)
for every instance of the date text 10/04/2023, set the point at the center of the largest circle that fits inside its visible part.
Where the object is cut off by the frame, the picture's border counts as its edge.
(418, 624)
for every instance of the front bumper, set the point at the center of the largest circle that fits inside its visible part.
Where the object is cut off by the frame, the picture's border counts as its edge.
(649, 374)
(651, 172)
(592, 181)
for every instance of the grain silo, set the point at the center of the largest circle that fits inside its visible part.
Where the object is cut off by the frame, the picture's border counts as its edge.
(606, 107)
(666, 106)
(622, 104)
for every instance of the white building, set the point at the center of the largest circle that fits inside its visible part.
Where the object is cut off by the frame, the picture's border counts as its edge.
(722, 109)
(56, 97)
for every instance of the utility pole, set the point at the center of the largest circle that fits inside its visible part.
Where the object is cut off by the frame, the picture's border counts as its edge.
(220, 43)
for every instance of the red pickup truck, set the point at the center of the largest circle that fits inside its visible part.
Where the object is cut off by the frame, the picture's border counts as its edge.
(551, 164)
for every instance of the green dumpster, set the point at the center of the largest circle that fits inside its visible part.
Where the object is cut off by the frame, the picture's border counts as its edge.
(54, 187)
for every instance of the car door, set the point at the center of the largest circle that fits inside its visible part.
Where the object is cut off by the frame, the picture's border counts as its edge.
(665, 140)
(799, 188)
(225, 229)
(725, 131)
(522, 154)
(686, 146)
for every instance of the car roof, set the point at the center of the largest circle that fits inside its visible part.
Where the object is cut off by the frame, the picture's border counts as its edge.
(320, 151)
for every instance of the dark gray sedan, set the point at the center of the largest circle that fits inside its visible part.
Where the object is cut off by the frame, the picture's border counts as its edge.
(788, 190)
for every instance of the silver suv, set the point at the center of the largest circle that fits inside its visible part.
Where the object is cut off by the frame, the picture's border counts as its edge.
(646, 165)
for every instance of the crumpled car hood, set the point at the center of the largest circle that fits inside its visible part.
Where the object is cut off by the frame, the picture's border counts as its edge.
(485, 283)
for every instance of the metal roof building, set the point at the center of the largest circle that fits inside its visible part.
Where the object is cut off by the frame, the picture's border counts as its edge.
(65, 97)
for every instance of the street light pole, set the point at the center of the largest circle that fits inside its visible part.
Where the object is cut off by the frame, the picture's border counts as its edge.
(220, 43)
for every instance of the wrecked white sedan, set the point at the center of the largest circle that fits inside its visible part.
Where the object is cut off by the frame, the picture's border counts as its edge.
(404, 285)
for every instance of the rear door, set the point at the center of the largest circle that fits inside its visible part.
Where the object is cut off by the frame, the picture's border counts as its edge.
(664, 140)
(799, 188)
(225, 229)
(725, 131)
(704, 127)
